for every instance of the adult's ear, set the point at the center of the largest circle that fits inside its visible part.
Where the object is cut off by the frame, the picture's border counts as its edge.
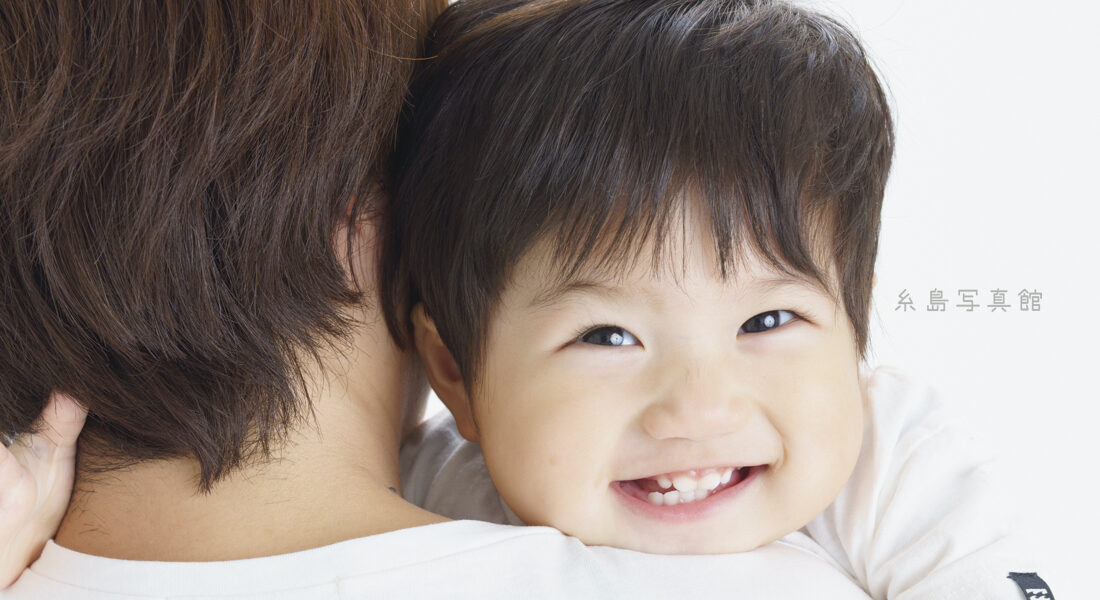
(443, 372)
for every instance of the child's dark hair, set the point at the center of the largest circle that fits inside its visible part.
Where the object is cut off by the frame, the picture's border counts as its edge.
(591, 123)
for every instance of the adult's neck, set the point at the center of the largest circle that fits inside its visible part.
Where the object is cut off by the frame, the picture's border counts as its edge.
(336, 479)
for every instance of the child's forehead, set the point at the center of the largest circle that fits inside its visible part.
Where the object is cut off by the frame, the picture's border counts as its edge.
(546, 275)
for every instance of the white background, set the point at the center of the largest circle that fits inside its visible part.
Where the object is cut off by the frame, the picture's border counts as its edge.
(994, 186)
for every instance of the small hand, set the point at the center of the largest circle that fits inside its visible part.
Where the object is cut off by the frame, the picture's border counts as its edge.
(36, 480)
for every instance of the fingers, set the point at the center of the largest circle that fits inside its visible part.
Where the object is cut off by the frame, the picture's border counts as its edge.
(58, 427)
(36, 479)
(17, 504)
(16, 492)
(63, 420)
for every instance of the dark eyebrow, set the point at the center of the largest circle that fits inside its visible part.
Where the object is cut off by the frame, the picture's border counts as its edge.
(552, 295)
(770, 284)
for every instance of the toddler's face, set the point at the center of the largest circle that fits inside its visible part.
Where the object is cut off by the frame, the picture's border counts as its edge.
(669, 412)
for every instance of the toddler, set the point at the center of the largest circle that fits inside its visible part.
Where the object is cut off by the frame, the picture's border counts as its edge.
(635, 241)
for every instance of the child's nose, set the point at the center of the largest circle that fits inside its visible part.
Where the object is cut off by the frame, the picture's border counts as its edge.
(702, 405)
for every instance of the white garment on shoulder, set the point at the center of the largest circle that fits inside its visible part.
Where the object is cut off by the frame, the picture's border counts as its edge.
(920, 516)
(923, 515)
(456, 559)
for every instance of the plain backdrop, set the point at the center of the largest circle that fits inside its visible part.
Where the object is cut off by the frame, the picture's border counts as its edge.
(994, 187)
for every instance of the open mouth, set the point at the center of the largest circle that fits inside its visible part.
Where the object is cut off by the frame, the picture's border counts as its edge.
(685, 487)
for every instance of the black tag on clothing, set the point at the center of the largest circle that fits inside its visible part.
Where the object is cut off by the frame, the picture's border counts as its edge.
(1033, 586)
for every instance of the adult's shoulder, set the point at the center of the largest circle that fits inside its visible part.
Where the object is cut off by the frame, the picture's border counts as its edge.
(455, 559)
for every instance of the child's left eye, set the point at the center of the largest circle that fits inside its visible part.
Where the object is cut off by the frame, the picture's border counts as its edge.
(608, 335)
(767, 321)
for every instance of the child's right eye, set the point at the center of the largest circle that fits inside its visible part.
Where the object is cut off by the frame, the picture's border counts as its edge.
(608, 335)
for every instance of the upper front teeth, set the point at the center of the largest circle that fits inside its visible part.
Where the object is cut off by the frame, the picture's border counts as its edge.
(710, 480)
(688, 483)
(686, 488)
(685, 483)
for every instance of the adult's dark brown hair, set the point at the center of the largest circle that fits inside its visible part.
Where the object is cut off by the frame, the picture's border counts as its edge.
(590, 123)
(172, 179)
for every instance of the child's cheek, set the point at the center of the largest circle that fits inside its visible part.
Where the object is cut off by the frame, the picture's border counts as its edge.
(553, 450)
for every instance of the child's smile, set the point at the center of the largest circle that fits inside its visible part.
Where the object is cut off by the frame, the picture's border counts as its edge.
(690, 486)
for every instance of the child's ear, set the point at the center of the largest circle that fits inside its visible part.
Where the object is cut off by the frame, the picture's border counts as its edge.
(443, 372)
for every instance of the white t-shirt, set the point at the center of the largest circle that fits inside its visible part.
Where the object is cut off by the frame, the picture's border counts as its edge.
(920, 517)
(457, 559)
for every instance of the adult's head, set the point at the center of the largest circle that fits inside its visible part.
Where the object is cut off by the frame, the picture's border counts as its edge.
(173, 184)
